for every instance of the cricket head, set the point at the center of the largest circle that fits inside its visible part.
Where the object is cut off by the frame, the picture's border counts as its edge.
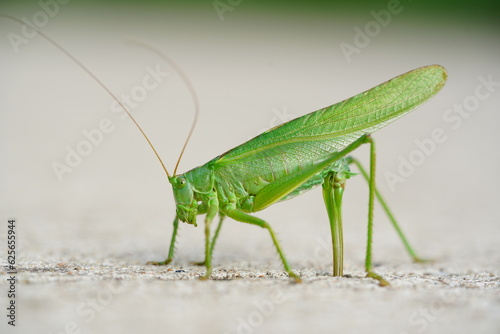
(186, 204)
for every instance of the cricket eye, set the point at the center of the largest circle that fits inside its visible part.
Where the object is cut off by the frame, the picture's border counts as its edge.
(182, 182)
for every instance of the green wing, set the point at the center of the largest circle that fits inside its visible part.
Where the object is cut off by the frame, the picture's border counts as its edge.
(310, 138)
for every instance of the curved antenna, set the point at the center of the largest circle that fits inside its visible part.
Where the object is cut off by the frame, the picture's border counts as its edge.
(189, 86)
(84, 68)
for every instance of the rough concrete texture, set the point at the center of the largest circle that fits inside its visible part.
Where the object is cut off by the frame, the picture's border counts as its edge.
(248, 298)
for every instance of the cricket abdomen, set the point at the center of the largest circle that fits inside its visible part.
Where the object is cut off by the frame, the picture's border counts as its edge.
(338, 166)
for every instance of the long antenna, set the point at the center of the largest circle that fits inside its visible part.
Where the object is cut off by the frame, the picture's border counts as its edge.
(83, 67)
(189, 86)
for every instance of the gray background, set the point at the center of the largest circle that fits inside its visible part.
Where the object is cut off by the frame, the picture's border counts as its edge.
(83, 242)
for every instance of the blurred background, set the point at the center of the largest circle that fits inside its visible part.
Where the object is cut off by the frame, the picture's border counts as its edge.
(85, 188)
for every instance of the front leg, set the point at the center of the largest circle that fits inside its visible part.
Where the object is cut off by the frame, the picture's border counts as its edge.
(213, 208)
(214, 239)
(171, 249)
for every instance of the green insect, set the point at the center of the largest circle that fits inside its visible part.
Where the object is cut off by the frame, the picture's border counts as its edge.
(294, 157)
(297, 156)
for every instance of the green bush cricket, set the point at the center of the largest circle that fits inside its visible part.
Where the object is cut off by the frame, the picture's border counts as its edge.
(292, 158)
(297, 156)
